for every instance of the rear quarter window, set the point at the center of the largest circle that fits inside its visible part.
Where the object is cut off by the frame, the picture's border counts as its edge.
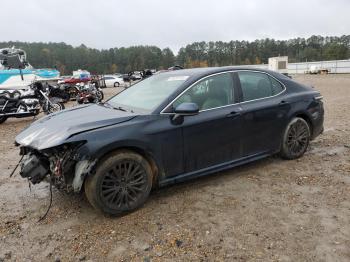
(256, 85)
(277, 87)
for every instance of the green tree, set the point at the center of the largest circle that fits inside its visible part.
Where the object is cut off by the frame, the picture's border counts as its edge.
(67, 58)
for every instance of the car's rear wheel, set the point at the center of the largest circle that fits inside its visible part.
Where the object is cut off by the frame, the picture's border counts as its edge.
(121, 183)
(296, 139)
(116, 84)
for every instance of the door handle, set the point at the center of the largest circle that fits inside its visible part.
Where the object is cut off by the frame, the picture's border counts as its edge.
(233, 114)
(283, 102)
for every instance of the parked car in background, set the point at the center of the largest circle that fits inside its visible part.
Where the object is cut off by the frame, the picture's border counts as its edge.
(132, 76)
(168, 128)
(126, 78)
(113, 80)
(173, 68)
(135, 76)
(118, 75)
(317, 70)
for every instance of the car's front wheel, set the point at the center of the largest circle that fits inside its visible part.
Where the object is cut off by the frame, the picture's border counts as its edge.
(116, 84)
(296, 139)
(121, 183)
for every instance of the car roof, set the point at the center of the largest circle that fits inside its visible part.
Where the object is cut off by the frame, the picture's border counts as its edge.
(195, 74)
(116, 76)
(204, 71)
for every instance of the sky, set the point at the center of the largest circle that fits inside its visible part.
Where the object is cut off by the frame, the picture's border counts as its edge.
(104, 24)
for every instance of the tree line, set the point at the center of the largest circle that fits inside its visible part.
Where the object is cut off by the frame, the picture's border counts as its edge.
(67, 58)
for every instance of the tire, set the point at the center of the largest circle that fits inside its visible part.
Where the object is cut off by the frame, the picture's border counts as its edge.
(55, 107)
(122, 183)
(116, 84)
(3, 119)
(100, 95)
(296, 139)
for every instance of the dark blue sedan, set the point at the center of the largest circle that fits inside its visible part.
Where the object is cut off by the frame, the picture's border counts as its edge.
(168, 128)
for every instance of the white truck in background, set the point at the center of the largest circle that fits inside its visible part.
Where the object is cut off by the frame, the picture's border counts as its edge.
(314, 69)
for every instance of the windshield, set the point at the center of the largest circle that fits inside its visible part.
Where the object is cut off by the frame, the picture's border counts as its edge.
(148, 94)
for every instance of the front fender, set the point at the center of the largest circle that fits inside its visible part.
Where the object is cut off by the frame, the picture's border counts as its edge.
(101, 142)
(88, 159)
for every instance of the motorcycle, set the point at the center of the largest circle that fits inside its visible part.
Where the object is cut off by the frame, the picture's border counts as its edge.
(30, 103)
(70, 90)
(89, 93)
(57, 91)
(78, 87)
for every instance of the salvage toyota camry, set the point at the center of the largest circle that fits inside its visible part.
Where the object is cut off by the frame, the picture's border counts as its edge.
(168, 128)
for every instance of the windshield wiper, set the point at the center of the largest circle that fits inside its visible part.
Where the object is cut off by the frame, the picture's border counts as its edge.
(114, 107)
(106, 104)
(120, 108)
(117, 107)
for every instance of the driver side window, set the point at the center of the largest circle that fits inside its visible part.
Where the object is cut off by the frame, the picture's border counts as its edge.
(211, 92)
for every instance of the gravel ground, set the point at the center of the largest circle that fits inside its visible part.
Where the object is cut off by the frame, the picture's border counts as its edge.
(270, 210)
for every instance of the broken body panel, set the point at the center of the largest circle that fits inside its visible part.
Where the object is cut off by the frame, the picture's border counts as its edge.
(52, 145)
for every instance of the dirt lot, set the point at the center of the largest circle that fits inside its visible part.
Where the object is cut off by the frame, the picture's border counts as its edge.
(271, 210)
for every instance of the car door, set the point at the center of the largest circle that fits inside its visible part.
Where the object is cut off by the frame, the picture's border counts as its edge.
(109, 81)
(213, 136)
(264, 112)
(119, 80)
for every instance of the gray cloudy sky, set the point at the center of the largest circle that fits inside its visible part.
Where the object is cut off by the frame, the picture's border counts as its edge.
(108, 23)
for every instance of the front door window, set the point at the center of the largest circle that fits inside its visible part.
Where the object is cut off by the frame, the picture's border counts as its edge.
(211, 92)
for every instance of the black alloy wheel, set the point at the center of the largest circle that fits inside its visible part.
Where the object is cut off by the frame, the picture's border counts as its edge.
(122, 183)
(296, 139)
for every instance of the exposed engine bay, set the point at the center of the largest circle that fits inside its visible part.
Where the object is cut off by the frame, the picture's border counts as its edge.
(61, 165)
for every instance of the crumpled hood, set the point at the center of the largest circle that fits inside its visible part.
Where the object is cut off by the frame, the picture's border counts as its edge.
(54, 129)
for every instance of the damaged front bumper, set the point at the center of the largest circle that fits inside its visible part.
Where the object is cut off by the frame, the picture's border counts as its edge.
(63, 165)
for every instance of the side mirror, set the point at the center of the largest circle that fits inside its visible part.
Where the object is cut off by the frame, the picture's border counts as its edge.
(187, 109)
